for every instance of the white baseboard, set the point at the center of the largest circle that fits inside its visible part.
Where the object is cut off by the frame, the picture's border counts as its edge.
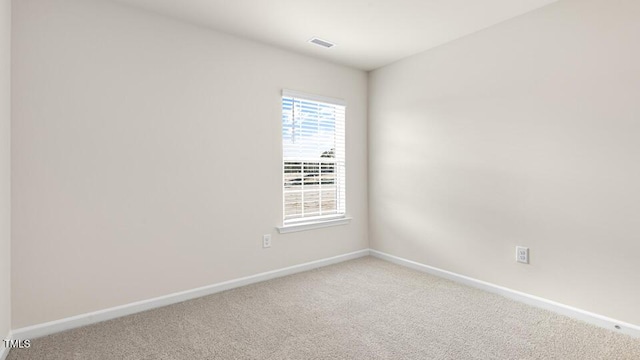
(4, 351)
(578, 314)
(39, 330)
(69, 323)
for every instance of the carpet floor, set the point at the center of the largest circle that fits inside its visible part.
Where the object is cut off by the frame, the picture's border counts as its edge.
(360, 309)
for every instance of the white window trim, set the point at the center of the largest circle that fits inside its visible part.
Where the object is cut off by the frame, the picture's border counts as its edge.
(313, 97)
(313, 224)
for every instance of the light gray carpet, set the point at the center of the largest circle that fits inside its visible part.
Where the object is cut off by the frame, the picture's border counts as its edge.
(361, 309)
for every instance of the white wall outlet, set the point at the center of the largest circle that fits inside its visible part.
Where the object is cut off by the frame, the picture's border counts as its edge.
(522, 254)
(266, 240)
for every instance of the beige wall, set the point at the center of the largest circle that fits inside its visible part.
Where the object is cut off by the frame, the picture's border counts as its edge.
(5, 168)
(526, 133)
(147, 157)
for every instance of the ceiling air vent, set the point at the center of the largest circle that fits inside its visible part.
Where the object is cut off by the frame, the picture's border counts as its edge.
(323, 43)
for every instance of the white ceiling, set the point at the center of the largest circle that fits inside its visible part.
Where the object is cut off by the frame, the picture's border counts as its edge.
(369, 33)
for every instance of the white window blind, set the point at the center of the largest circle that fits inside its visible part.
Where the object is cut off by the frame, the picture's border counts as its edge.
(313, 137)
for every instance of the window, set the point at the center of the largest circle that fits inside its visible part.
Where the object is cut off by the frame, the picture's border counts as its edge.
(313, 137)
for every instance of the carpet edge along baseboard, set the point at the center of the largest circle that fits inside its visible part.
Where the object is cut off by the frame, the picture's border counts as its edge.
(76, 321)
(558, 308)
(52, 327)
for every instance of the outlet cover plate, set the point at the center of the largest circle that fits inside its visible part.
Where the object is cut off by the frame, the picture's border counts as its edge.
(522, 254)
(266, 240)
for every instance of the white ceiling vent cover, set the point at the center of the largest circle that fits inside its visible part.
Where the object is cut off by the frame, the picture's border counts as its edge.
(323, 43)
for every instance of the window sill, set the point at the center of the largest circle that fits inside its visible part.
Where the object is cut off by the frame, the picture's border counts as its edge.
(313, 225)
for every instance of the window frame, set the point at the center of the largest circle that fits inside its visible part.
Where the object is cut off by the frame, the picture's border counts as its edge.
(314, 222)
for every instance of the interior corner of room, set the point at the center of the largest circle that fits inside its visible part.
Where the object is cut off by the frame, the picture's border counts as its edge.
(153, 153)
